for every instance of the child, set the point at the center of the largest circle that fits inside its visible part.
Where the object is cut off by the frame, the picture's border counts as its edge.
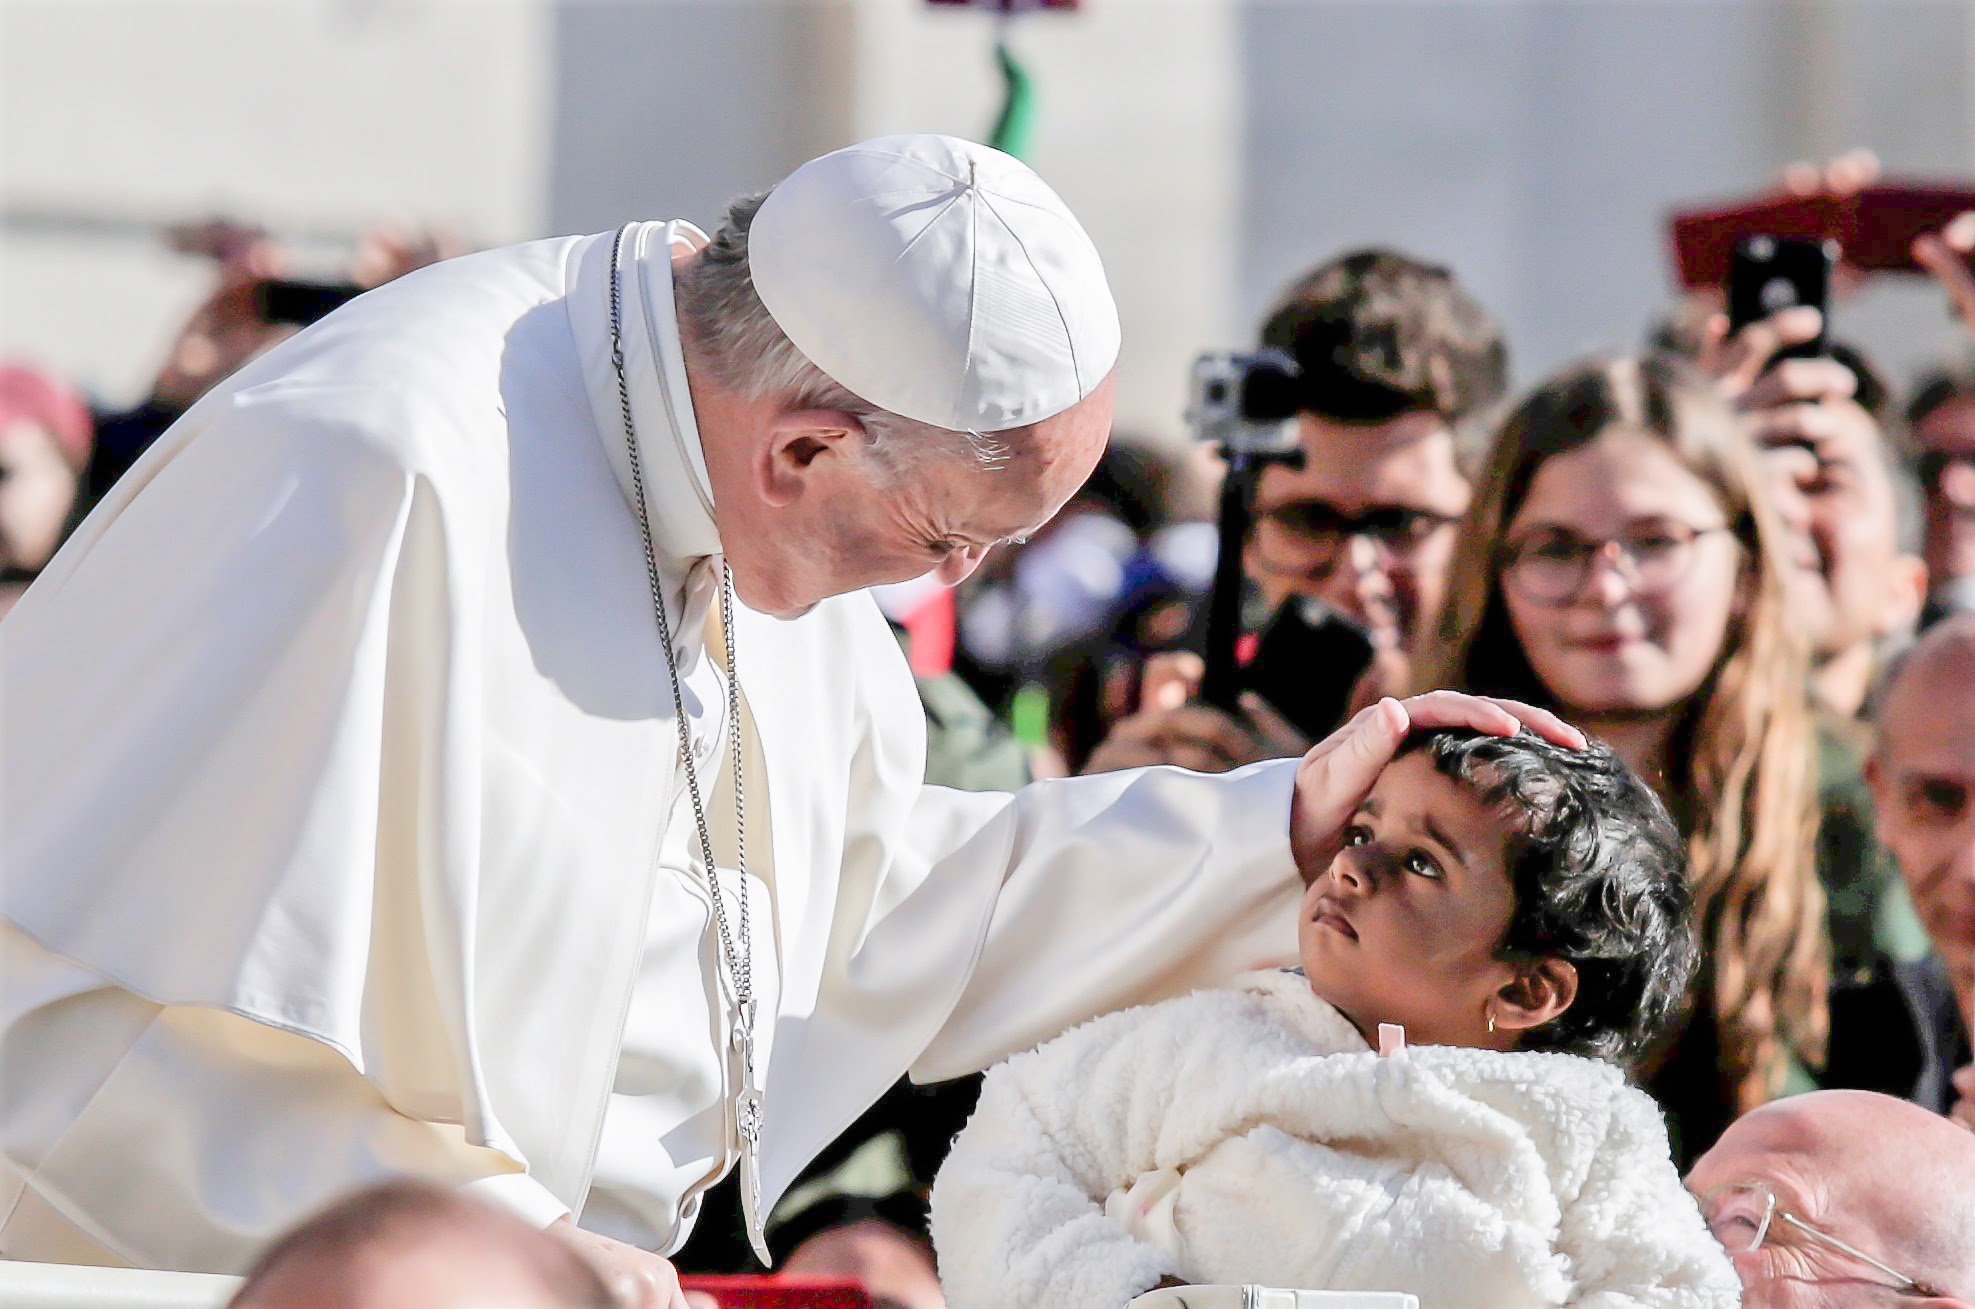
(1516, 907)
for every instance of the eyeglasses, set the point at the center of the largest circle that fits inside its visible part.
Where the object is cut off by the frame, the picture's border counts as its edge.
(1551, 567)
(1743, 1216)
(1307, 536)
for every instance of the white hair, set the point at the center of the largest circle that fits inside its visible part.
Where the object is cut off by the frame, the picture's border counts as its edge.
(739, 342)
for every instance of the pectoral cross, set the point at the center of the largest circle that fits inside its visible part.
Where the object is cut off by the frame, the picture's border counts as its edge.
(748, 1121)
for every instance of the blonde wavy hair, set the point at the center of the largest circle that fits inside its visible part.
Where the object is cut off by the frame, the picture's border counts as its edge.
(1741, 780)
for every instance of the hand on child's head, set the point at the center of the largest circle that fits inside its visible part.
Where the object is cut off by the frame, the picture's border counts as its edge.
(1404, 925)
(1480, 877)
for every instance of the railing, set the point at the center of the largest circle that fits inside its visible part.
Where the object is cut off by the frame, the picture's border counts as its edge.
(63, 1286)
(67, 1286)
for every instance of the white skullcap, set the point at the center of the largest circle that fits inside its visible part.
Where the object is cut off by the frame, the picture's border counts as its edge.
(937, 279)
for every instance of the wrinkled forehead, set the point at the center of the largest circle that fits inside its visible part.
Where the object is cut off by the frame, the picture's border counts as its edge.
(1928, 722)
(1773, 1145)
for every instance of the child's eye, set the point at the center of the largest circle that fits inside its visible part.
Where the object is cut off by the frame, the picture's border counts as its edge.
(1419, 862)
(1357, 834)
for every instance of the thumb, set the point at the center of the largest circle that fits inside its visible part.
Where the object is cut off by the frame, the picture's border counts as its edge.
(1385, 726)
(1337, 774)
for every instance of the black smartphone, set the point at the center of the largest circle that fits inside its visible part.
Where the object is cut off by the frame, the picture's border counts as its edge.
(1768, 274)
(1306, 663)
(282, 301)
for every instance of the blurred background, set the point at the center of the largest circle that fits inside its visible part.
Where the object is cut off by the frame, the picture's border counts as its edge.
(1215, 148)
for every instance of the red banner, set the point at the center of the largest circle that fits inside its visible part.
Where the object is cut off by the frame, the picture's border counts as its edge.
(780, 1292)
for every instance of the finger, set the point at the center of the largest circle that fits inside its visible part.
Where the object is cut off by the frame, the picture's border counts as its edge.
(1796, 381)
(1851, 172)
(1115, 757)
(1455, 709)
(1794, 425)
(1785, 327)
(1545, 724)
(1494, 715)
(1374, 741)
(1361, 747)
(1336, 775)
(1801, 177)
(1139, 729)
(1198, 757)
(1738, 360)
(1946, 257)
(1964, 1080)
(1203, 725)
(1281, 736)
(1171, 679)
(1714, 338)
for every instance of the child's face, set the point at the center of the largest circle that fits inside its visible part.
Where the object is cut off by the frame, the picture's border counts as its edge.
(1404, 924)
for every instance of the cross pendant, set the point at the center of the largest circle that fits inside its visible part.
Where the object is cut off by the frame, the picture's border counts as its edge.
(748, 1120)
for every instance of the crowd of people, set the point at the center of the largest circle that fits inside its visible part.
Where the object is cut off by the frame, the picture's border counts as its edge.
(1750, 578)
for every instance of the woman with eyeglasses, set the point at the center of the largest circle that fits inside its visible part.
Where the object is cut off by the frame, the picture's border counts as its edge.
(1620, 565)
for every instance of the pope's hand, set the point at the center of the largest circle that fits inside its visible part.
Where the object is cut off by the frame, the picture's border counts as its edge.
(1339, 770)
(638, 1279)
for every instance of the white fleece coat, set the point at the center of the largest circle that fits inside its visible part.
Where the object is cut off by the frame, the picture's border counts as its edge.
(1249, 1135)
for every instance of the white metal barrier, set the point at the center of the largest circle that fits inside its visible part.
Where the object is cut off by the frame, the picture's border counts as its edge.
(68, 1286)
(1268, 1297)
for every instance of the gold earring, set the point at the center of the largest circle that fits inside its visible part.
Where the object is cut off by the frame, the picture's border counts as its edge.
(1491, 1022)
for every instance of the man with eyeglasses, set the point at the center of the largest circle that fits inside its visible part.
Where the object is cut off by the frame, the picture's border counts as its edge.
(1397, 360)
(1838, 1199)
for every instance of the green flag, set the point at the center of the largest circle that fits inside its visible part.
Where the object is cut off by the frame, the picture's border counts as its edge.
(1012, 127)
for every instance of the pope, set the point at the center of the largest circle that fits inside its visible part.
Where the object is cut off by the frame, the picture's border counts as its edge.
(462, 747)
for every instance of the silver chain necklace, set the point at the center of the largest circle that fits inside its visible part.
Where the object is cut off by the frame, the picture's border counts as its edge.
(739, 963)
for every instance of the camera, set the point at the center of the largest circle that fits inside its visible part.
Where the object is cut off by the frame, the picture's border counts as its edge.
(1246, 403)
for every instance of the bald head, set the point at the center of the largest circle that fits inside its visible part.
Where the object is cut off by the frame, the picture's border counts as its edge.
(1878, 1173)
(1923, 783)
(409, 1245)
(1941, 662)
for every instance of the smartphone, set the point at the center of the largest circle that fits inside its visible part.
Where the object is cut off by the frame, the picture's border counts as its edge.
(1767, 274)
(281, 301)
(1306, 663)
(772, 1292)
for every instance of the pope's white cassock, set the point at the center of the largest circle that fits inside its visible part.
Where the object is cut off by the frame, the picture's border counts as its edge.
(343, 822)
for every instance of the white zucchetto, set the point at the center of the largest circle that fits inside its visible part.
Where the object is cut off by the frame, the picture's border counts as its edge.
(938, 279)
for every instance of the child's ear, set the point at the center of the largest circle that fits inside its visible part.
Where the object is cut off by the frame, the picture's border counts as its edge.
(1540, 992)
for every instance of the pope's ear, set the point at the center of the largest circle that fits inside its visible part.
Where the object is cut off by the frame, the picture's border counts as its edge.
(1539, 992)
(800, 442)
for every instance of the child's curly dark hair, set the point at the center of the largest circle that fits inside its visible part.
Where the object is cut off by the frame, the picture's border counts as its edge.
(1600, 880)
